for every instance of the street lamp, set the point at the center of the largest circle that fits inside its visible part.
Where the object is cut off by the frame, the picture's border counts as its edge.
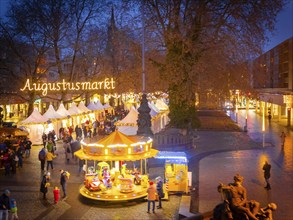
(263, 126)
(237, 99)
(246, 115)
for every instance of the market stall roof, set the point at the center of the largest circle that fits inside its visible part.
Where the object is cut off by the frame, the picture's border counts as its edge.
(175, 157)
(62, 111)
(82, 107)
(35, 118)
(81, 155)
(107, 105)
(154, 107)
(99, 105)
(52, 114)
(92, 106)
(161, 105)
(127, 130)
(73, 110)
(130, 119)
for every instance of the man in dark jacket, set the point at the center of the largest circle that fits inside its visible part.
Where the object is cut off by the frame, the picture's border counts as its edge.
(5, 200)
(4, 204)
(267, 174)
(160, 191)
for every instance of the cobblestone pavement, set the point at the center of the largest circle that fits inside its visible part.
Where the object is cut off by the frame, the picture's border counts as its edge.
(216, 158)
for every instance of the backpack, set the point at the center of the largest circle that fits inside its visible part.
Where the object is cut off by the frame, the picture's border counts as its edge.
(42, 155)
(68, 150)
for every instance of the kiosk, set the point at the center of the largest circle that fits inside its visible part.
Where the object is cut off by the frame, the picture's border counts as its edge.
(177, 177)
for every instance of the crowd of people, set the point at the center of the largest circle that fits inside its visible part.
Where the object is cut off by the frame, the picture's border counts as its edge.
(13, 150)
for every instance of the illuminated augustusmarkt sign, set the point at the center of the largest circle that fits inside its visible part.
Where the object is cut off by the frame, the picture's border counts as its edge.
(107, 83)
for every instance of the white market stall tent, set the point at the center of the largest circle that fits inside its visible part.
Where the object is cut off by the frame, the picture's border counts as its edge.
(128, 125)
(66, 115)
(56, 119)
(98, 109)
(75, 114)
(35, 125)
(109, 109)
(89, 113)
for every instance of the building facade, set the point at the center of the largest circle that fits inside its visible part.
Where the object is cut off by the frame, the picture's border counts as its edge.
(272, 75)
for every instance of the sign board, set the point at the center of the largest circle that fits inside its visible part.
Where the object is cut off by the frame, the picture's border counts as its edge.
(107, 83)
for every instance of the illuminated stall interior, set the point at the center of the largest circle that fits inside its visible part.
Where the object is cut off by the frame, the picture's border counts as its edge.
(110, 178)
(176, 171)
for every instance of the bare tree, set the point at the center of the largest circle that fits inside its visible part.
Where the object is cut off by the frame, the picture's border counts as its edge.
(191, 29)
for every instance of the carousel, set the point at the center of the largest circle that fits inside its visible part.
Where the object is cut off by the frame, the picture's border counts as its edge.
(116, 167)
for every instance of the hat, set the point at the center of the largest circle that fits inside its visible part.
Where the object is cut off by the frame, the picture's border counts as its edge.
(48, 174)
(158, 178)
(6, 192)
(151, 183)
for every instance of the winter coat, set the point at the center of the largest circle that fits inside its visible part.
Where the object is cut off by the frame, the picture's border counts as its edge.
(44, 186)
(4, 202)
(151, 193)
(159, 187)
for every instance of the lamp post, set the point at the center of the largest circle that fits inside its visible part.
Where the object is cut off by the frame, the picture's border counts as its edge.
(237, 99)
(144, 118)
(263, 126)
(246, 115)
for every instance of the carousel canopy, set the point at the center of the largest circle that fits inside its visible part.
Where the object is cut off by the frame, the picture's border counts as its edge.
(62, 111)
(35, 118)
(52, 114)
(82, 107)
(117, 138)
(116, 147)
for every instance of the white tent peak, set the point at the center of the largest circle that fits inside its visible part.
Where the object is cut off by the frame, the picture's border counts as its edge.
(51, 113)
(107, 105)
(82, 107)
(74, 110)
(62, 111)
(99, 105)
(35, 118)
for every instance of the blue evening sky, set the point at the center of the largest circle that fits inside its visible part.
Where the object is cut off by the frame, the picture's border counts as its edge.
(283, 30)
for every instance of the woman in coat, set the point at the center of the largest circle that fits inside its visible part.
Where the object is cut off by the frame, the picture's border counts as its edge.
(45, 184)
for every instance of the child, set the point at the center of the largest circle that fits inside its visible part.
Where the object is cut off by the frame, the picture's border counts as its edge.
(13, 209)
(56, 192)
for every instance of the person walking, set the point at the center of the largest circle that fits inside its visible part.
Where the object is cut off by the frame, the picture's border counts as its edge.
(160, 191)
(267, 174)
(151, 197)
(28, 147)
(45, 184)
(63, 181)
(42, 157)
(49, 157)
(67, 150)
(4, 204)
(283, 138)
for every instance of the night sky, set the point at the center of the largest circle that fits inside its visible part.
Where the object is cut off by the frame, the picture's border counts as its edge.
(283, 31)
